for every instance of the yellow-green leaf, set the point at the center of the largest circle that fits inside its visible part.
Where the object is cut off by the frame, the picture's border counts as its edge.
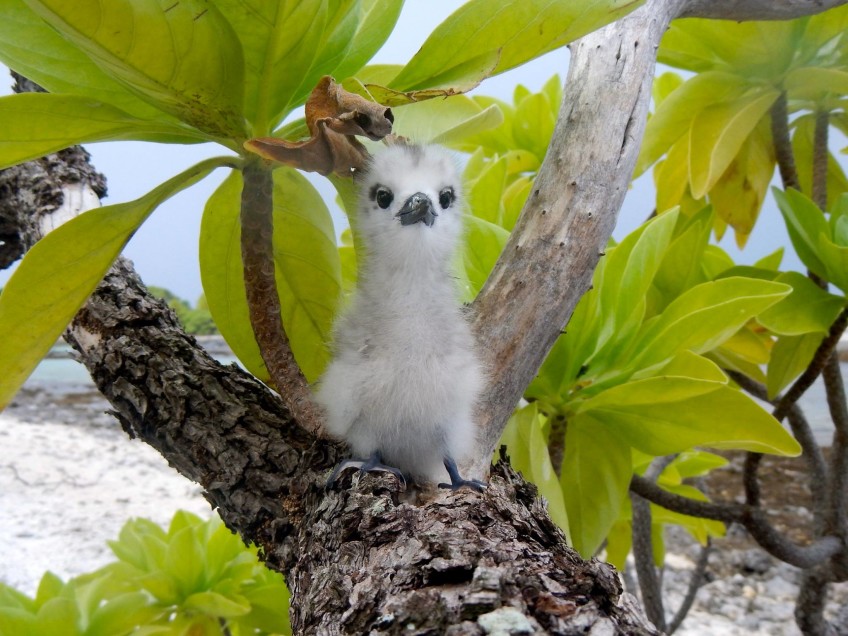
(717, 134)
(596, 473)
(666, 415)
(62, 269)
(674, 115)
(508, 33)
(789, 357)
(35, 124)
(184, 57)
(528, 454)
(807, 309)
(35, 50)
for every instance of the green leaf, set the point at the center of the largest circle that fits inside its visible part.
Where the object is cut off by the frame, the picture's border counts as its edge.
(59, 617)
(686, 365)
(377, 20)
(122, 615)
(184, 561)
(508, 34)
(681, 265)
(445, 121)
(813, 83)
(771, 261)
(529, 454)
(704, 317)
(62, 269)
(804, 223)
(308, 272)
(18, 622)
(628, 275)
(215, 604)
(835, 259)
(789, 357)
(696, 463)
(280, 41)
(666, 415)
(533, 124)
(269, 607)
(753, 49)
(183, 58)
(807, 309)
(31, 47)
(35, 124)
(484, 242)
(485, 192)
(674, 116)
(596, 473)
(718, 133)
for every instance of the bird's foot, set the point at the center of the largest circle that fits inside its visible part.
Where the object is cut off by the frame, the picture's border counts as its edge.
(373, 464)
(457, 481)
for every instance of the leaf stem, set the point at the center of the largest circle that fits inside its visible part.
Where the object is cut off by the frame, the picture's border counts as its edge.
(257, 249)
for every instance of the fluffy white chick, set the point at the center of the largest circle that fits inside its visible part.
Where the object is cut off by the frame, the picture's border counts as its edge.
(405, 376)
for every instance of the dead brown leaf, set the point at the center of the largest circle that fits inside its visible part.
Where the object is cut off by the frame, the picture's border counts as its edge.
(334, 117)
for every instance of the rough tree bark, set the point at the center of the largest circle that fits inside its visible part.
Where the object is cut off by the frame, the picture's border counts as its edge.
(359, 560)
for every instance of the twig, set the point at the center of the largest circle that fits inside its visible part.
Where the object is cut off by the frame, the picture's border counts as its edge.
(753, 519)
(798, 388)
(643, 555)
(802, 432)
(695, 582)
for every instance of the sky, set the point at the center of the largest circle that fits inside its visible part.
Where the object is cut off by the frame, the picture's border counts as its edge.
(165, 249)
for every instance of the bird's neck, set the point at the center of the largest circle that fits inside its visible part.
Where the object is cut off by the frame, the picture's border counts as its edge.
(413, 283)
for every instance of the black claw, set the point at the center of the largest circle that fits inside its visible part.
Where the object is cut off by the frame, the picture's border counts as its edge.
(474, 484)
(457, 481)
(373, 464)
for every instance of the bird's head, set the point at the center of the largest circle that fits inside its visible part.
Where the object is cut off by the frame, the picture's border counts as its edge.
(410, 201)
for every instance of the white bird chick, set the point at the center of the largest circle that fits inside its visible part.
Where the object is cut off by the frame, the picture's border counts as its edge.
(405, 376)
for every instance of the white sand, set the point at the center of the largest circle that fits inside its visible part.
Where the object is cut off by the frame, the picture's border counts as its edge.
(65, 490)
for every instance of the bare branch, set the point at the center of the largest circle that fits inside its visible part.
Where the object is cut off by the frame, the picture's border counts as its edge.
(695, 583)
(753, 519)
(802, 432)
(812, 597)
(548, 261)
(742, 10)
(643, 555)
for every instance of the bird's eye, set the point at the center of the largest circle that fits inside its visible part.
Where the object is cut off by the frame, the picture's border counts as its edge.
(384, 197)
(446, 198)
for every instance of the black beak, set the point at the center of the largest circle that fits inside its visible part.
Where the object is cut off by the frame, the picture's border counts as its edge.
(417, 208)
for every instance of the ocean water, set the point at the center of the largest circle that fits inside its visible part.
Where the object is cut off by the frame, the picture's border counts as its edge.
(61, 373)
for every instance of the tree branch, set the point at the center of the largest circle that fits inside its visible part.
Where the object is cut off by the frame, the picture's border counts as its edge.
(742, 10)
(802, 432)
(643, 555)
(753, 519)
(695, 582)
(548, 261)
